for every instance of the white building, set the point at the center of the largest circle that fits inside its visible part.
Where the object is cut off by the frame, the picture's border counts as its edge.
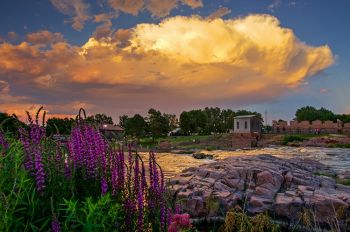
(247, 124)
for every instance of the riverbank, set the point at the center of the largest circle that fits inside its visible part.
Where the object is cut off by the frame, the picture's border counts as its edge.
(296, 192)
(188, 144)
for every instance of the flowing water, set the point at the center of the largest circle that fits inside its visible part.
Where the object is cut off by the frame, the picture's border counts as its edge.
(336, 158)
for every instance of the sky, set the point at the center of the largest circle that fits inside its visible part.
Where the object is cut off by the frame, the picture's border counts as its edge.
(126, 56)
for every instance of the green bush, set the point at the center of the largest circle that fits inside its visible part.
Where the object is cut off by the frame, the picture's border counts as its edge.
(292, 138)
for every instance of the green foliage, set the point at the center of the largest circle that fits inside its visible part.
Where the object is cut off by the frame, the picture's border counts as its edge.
(210, 120)
(158, 124)
(238, 221)
(101, 214)
(99, 119)
(59, 126)
(194, 121)
(292, 138)
(309, 113)
(75, 201)
(10, 124)
(339, 145)
(134, 126)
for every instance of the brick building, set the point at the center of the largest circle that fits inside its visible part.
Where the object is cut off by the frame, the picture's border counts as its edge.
(306, 127)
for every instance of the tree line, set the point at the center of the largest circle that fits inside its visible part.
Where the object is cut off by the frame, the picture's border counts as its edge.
(157, 124)
(310, 113)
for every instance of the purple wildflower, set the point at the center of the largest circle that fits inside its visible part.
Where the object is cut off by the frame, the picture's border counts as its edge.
(143, 178)
(121, 168)
(39, 171)
(129, 207)
(33, 153)
(104, 186)
(88, 150)
(55, 225)
(3, 141)
(136, 176)
(114, 171)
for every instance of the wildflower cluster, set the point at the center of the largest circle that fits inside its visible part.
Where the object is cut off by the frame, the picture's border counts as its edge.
(88, 166)
(3, 142)
(32, 139)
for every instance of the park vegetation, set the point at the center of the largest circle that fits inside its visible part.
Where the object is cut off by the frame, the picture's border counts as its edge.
(84, 184)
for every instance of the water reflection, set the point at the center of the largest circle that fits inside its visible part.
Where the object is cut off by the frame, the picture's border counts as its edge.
(337, 158)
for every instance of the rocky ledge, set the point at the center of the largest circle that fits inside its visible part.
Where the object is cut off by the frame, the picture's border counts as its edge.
(287, 189)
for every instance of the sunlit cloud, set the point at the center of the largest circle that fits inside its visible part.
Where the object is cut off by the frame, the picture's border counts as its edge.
(219, 13)
(179, 62)
(157, 8)
(77, 9)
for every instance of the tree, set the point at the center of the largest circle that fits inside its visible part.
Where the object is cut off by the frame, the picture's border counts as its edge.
(100, 119)
(214, 122)
(227, 120)
(123, 120)
(61, 126)
(10, 124)
(246, 112)
(135, 126)
(173, 121)
(194, 121)
(185, 122)
(310, 113)
(158, 123)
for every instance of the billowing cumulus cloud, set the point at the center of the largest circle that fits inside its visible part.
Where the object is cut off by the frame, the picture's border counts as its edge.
(179, 62)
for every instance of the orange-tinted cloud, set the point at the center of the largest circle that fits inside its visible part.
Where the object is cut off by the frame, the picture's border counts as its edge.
(193, 3)
(219, 13)
(77, 9)
(44, 37)
(180, 61)
(158, 8)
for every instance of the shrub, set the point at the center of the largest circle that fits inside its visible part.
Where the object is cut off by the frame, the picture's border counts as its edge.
(292, 138)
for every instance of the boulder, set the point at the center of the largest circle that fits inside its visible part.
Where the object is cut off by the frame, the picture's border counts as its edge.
(202, 156)
(286, 188)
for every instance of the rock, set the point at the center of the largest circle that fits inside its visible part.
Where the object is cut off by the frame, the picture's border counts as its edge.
(344, 175)
(165, 146)
(260, 183)
(202, 156)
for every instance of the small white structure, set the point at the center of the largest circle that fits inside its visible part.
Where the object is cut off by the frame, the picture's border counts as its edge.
(247, 124)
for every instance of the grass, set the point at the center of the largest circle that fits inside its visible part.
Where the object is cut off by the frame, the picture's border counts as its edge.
(343, 181)
(337, 180)
(183, 142)
(292, 138)
(339, 145)
(183, 139)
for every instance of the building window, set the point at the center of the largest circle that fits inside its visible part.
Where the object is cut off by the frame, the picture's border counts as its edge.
(245, 125)
(237, 125)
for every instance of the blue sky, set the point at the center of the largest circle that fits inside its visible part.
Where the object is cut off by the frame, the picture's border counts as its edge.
(315, 23)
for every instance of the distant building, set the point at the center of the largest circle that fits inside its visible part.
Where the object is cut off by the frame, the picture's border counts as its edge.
(306, 127)
(111, 131)
(246, 131)
(247, 124)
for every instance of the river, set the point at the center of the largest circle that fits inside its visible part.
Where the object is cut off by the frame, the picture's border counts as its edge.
(336, 158)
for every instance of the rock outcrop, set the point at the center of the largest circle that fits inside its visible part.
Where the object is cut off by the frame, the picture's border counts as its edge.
(285, 188)
(202, 156)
